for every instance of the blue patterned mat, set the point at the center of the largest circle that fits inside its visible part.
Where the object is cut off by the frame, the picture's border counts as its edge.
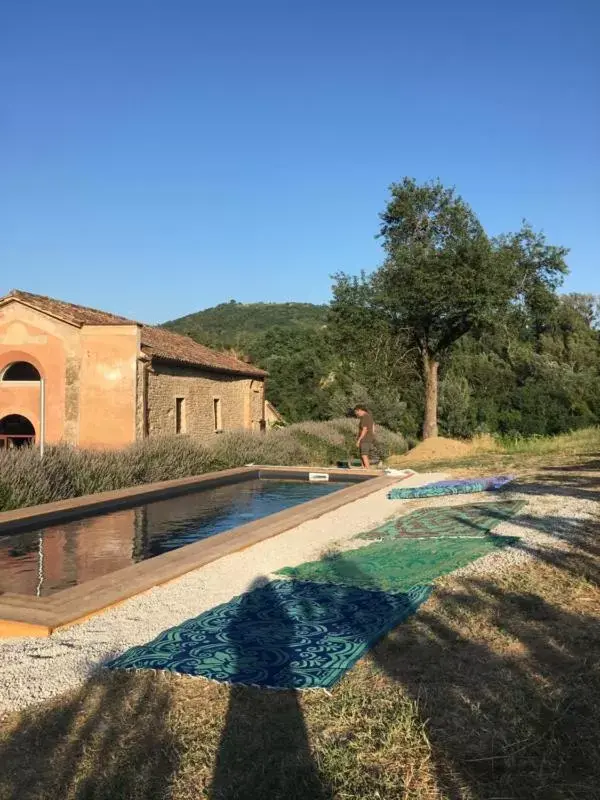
(284, 635)
(460, 486)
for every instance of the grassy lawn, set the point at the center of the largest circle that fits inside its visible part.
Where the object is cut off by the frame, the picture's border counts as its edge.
(492, 691)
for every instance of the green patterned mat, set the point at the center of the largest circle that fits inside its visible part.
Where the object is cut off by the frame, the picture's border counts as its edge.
(454, 486)
(475, 519)
(396, 565)
(285, 635)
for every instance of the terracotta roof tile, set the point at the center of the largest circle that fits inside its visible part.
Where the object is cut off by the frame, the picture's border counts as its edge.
(166, 345)
(76, 315)
(158, 343)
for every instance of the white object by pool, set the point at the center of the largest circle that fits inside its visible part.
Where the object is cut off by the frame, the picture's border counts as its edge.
(407, 473)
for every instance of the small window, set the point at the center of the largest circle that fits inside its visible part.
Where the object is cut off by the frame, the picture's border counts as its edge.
(218, 419)
(179, 415)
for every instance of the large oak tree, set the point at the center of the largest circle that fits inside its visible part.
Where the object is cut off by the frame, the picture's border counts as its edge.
(444, 277)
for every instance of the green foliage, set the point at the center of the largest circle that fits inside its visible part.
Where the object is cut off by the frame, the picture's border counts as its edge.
(444, 277)
(375, 363)
(437, 264)
(235, 325)
(456, 408)
(299, 363)
(529, 380)
(521, 376)
(577, 443)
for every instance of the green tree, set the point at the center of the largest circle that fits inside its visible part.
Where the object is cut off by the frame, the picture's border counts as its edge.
(375, 364)
(299, 363)
(444, 277)
(526, 378)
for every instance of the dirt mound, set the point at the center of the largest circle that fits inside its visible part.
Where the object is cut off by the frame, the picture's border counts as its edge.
(438, 449)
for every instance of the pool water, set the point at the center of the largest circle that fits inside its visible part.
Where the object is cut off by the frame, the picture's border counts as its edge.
(45, 561)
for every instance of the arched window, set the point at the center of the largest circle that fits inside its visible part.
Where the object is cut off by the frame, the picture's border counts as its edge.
(16, 431)
(21, 371)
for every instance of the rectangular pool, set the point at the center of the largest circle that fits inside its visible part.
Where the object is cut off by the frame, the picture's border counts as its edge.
(56, 557)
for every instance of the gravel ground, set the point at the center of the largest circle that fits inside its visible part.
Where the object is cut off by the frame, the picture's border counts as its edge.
(34, 670)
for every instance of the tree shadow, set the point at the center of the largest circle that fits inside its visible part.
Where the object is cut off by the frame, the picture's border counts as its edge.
(510, 714)
(509, 686)
(108, 741)
(588, 466)
(560, 482)
(264, 750)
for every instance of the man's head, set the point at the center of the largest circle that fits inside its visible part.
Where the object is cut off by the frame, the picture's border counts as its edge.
(360, 411)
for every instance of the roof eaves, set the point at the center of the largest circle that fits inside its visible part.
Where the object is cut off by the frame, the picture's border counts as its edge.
(249, 373)
(17, 299)
(73, 314)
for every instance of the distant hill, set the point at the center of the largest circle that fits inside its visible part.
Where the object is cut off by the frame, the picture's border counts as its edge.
(236, 325)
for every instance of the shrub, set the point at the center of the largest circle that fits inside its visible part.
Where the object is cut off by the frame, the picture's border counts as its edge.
(283, 449)
(170, 457)
(327, 431)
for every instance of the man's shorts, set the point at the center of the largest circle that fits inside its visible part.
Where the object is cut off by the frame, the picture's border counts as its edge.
(366, 448)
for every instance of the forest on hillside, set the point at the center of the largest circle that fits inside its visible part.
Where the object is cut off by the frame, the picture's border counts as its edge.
(512, 354)
(232, 325)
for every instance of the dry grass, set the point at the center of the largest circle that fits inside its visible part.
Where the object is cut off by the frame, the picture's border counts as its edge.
(485, 449)
(491, 691)
(489, 455)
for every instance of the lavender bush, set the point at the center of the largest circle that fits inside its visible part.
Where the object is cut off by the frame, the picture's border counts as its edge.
(65, 471)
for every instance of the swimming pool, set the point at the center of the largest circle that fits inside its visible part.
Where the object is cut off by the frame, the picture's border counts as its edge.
(55, 557)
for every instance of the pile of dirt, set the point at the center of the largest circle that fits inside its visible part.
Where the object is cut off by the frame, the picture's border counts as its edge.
(438, 449)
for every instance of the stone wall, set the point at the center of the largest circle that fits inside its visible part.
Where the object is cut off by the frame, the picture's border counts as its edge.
(239, 397)
(141, 395)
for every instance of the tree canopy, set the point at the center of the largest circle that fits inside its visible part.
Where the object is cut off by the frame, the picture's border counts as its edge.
(444, 277)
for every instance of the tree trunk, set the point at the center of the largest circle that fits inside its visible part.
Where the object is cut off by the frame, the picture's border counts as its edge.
(430, 377)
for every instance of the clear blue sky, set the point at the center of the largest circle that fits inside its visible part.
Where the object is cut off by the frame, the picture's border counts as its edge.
(161, 156)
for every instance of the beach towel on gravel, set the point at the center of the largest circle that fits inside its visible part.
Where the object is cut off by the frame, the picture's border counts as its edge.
(473, 520)
(395, 565)
(284, 635)
(461, 486)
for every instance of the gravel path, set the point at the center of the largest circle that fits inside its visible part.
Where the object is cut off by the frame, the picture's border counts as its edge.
(34, 670)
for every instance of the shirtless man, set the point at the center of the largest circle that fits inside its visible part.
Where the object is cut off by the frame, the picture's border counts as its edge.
(366, 434)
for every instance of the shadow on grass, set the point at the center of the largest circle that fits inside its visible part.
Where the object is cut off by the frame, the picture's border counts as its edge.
(563, 481)
(109, 740)
(508, 684)
(264, 750)
(592, 465)
(514, 715)
(126, 736)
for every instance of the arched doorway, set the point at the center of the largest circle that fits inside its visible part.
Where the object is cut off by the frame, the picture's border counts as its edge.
(16, 431)
(21, 371)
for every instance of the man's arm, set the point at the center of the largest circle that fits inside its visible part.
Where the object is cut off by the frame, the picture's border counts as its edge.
(361, 435)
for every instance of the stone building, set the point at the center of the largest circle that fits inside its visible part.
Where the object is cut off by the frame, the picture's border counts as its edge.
(93, 379)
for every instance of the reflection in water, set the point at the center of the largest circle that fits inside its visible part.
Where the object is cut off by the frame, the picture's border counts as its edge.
(43, 562)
